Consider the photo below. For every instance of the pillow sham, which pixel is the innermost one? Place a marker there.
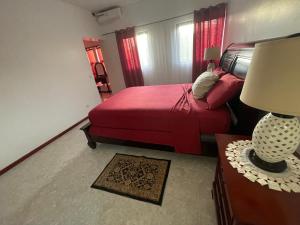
(203, 84)
(224, 90)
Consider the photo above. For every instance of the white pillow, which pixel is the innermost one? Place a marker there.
(203, 84)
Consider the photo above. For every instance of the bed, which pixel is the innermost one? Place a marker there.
(162, 114)
(169, 115)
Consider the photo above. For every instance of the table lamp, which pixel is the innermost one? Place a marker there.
(211, 54)
(273, 84)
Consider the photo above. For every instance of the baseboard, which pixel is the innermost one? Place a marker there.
(39, 148)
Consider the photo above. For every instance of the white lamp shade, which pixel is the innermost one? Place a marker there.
(273, 79)
(212, 53)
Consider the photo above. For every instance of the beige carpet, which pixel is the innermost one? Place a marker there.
(53, 187)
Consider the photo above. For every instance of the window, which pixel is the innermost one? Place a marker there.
(185, 33)
(166, 51)
(143, 49)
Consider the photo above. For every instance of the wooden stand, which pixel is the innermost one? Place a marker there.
(239, 201)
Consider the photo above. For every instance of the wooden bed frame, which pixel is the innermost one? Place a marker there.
(235, 60)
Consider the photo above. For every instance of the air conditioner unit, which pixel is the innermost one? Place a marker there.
(108, 15)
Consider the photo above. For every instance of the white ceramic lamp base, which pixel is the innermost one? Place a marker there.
(211, 66)
(274, 138)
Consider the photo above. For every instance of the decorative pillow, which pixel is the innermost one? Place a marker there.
(219, 72)
(225, 89)
(203, 84)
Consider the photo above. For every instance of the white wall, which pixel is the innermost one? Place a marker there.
(45, 79)
(141, 13)
(261, 19)
(149, 11)
(112, 62)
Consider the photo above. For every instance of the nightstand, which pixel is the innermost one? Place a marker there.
(239, 201)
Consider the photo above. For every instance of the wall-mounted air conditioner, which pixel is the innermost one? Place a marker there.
(108, 15)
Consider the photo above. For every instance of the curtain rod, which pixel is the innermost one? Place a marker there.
(158, 21)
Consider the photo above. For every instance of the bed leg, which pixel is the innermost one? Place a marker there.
(91, 143)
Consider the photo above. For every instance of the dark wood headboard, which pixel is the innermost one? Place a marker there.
(236, 60)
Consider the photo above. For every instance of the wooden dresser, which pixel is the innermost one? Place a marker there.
(239, 201)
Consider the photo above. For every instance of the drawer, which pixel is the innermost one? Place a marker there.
(223, 213)
(225, 194)
(216, 197)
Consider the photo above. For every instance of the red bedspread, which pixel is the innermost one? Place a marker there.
(163, 114)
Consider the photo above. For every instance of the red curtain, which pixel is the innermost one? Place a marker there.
(92, 59)
(129, 57)
(91, 55)
(100, 56)
(208, 32)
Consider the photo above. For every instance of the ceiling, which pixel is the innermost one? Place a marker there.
(96, 5)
